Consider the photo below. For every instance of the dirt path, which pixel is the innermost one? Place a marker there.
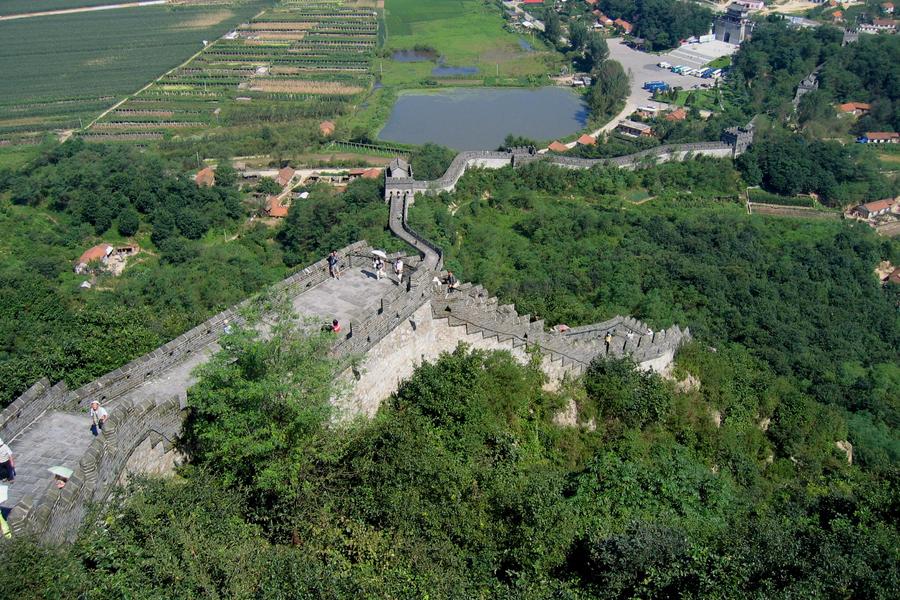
(68, 11)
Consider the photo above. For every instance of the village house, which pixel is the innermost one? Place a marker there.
(274, 207)
(879, 137)
(887, 8)
(373, 173)
(625, 26)
(285, 175)
(837, 16)
(679, 114)
(855, 108)
(635, 129)
(878, 26)
(558, 146)
(875, 209)
(587, 140)
(205, 177)
(105, 256)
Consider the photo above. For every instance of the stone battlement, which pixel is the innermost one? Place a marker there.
(393, 327)
(399, 181)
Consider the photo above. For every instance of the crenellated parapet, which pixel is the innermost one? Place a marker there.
(399, 181)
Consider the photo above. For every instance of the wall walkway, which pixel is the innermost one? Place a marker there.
(393, 327)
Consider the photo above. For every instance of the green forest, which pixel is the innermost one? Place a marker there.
(464, 486)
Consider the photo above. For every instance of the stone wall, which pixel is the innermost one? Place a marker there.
(29, 407)
(140, 435)
(436, 321)
(113, 385)
(729, 147)
(56, 516)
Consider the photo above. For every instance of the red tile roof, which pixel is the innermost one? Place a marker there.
(284, 176)
(625, 25)
(274, 207)
(558, 147)
(678, 114)
(205, 177)
(877, 206)
(532, 1)
(884, 22)
(98, 252)
(882, 135)
(587, 140)
(852, 106)
(373, 173)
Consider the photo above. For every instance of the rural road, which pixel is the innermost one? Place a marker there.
(67, 11)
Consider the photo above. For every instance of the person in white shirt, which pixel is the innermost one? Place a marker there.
(398, 269)
(98, 417)
(7, 464)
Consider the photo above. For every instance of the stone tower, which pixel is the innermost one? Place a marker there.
(735, 25)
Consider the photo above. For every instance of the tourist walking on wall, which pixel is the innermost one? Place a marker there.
(452, 281)
(7, 463)
(378, 265)
(608, 339)
(398, 269)
(335, 326)
(334, 265)
(98, 417)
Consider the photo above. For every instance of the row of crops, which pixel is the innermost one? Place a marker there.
(304, 59)
(61, 72)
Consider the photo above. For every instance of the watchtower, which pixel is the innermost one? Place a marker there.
(735, 25)
(739, 138)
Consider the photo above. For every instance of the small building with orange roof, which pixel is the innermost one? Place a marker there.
(679, 114)
(587, 140)
(624, 25)
(557, 146)
(274, 207)
(284, 176)
(205, 177)
(855, 108)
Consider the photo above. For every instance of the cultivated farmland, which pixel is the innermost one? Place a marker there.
(302, 62)
(63, 70)
(465, 33)
(15, 7)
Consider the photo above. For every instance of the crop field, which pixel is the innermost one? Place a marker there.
(62, 71)
(14, 7)
(466, 33)
(304, 60)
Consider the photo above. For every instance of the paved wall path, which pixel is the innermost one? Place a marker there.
(60, 438)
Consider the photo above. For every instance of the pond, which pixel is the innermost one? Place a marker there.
(480, 119)
(443, 70)
(408, 56)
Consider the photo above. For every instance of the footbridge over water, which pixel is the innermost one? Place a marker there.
(393, 327)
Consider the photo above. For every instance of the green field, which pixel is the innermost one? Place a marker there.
(110, 52)
(464, 32)
(14, 7)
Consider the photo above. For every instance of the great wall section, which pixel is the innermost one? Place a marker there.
(392, 327)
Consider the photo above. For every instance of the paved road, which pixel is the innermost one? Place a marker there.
(67, 11)
(641, 68)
